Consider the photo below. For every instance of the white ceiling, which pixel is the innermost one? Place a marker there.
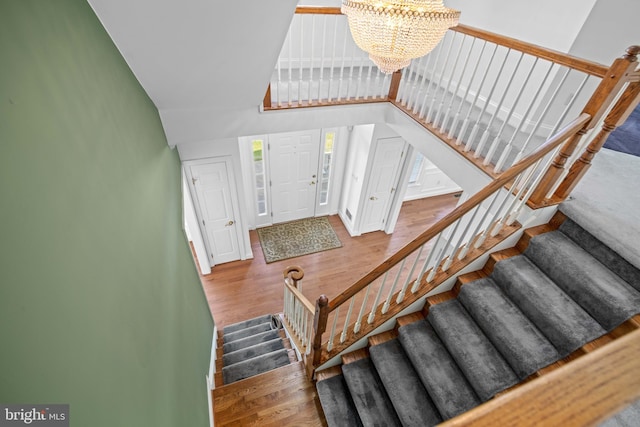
(193, 54)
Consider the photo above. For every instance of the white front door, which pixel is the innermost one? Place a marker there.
(213, 192)
(383, 181)
(293, 159)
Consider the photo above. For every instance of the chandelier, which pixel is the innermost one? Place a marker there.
(394, 32)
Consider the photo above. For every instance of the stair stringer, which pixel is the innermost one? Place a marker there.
(529, 218)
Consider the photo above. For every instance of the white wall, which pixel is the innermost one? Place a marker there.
(610, 28)
(549, 23)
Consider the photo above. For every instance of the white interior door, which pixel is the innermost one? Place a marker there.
(382, 182)
(217, 208)
(293, 159)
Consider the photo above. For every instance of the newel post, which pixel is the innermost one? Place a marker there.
(603, 96)
(319, 326)
(394, 85)
(293, 274)
(619, 113)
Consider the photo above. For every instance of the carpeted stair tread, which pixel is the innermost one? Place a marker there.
(254, 366)
(246, 332)
(252, 351)
(443, 380)
(337, 404)
(483, 366)
(603, 294)
(246, 324)
(369, 396)
(403, 386)
(565, 324)
(522, 345)
(607, 256)
(249, 341)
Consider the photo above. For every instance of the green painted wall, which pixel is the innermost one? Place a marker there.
(100, 303)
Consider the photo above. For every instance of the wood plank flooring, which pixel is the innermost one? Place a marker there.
(241, 290)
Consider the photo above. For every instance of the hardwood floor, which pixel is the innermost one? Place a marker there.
(241, 290)
(244, 289)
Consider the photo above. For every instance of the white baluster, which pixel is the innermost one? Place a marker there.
(387, 303)
(447, 90)
(507, 150)
(441, 252)
(408, 279)
(485, 135)
(344, 55)
(432, 79)
(313, 34)
(449, 255)
(496, 140)
(413, 93)
(465, 248)
(465, 123)
(289, 86)
(456, 117)
(333, 59)
(483, 236)
(430, 114)
(443, 127)
(366, 91)
(324, 42)
(426, 264)
(358, 324)
(372, 315)
(300, 61)
(333, 329)
(541, 118)
(343, 336)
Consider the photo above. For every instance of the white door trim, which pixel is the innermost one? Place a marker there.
(233, 189)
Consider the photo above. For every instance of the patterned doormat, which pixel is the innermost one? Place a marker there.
(296, 238)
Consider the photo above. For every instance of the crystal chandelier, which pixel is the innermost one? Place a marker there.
(394, 32)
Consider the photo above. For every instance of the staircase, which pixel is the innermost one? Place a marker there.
(250, 348)
(557, 295)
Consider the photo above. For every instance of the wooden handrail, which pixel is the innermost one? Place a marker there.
(311, 10)
(589, 67)
(293, 273)
(583, 392)
(308, 305)
(502, 179)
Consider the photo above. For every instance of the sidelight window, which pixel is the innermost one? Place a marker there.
(325, 174)
(257, 146)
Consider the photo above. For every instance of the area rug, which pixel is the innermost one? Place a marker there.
(296, 238)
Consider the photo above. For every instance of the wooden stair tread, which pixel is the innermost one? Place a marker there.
(440, 298)
(351, 357)
(382, 337)
(328, 372)
(283, 396)
(409, 318)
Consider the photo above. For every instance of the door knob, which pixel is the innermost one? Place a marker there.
(230, 223)
(373, 198)
(312, 183)
(313, 176)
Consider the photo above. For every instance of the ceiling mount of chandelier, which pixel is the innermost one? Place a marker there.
(397, 31)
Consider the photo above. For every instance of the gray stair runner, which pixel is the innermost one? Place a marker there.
(566, 290)
(250, 348)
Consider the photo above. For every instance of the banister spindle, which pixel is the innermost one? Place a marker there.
(332, 334)
(409, 276)
(445, 92)
(507, 149)
(496, 140)
(487, 131)
(465, 122)
(456, 117)
(343, 336)
(443, 126)
(432, 79)
(372, 314)
(333, 59)
(430, 114)
(387, 303)
(358, 324)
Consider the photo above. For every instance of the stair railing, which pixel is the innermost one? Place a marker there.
(492, 98)
(469, 231)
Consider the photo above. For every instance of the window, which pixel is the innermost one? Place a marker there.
(325, 176)
(417, 168)
(257, 146)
